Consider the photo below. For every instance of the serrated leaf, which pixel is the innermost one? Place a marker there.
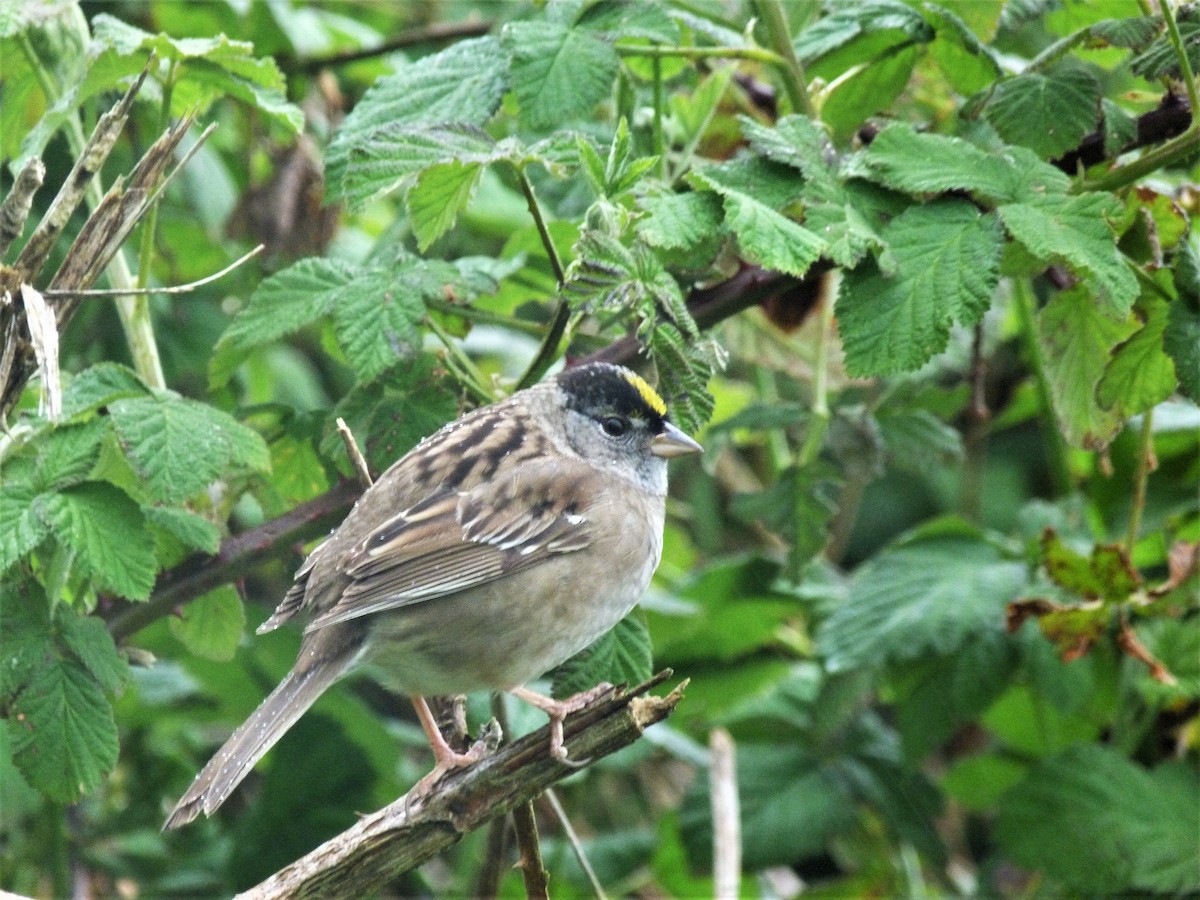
(608, 276)
(376, 317)
(1160, 57)
(929, 595)
(620, 20)
(63, 735)
(24, 634)
(968, 63)
(22, 524)
(1131, 33)
(281, 305)
(1050, 112)
(685, 367)
(99, 385)
(386, 158)
(873, 89)
(947, 258)
(1075, 230)
(798, 506)
(211, 625)
(1140, 374)
(761, 180)
(1181, 341)
(679, 221)
(916, 437)
(192, 530)
(441, 192)
(1095, 822)
(903, 159)
(1077, 337)
(769, 238)
(620, 656)
(558, 73)
(179, 446)
(107, 532)
(67, 454)
(795, 141)
(86, 639)
(206, 69)
(461, 84)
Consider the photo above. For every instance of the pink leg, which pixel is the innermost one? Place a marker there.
(558, 710)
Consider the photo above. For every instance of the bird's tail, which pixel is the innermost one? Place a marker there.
(258, 734)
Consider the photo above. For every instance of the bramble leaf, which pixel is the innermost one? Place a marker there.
(211, 625)
(620, 656)
(558, 73)
(107, 532)
(1048, 112)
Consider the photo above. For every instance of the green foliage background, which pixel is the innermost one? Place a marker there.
(936, 571)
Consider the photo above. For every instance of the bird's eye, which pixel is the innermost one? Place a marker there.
(614, 426)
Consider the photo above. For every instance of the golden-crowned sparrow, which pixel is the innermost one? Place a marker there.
(493, 551)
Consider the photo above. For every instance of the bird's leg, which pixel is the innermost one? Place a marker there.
(446, 758)
(558, 710)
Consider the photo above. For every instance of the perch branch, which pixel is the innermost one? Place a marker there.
(367, 857)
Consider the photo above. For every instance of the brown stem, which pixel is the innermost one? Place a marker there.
(399, 837)
(439, 33)
(529, 858)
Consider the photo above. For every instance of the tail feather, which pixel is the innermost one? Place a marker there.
(258, 734)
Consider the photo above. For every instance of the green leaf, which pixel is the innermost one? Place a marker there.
(685, 367)
(1075, 230)
(107, 532)
(853, 100)
(86, 639)
(938, 696)
(947, 258)
(914, 438)
(461, 84)
(281, 305)
(22, 524)
(967, 62)
(770, 239)
(179, 446)
(798, 506)
(99, 385)
(1050, 113)
(1077, 337)
(558, 73)
(25, 640)
(1181, 341)
(1140, 374)
(679, 221)
(608, 276)
(760, 180)
(903, 159)
(383, 160)
(1095, 822)
(928, 595)
(1160, 58)
(63, 735)
(441, 192)
(67, 454)
(211, 625)
(192, 530)
(377, 315)
(620, 656)
(206, 69)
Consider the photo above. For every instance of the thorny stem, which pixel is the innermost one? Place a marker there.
(754, 54)
(1142, 472)
(795, 82)
(1181, 56)
(1175, 149)
(1056, 447)
(134, 311)
(533, 870)
(548, 351)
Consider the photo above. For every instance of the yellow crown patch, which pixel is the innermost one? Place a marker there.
(647, 393)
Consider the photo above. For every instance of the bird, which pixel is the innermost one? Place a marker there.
(493, 551)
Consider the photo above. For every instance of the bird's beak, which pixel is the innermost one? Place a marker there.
(672, 442)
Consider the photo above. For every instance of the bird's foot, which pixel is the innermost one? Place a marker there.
(558, 710)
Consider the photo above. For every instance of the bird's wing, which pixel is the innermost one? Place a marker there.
(456, 540)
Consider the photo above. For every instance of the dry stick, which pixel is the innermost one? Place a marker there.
(16, 206)
(576, 844)
(529, 858)
(406, 833)
(726, 815)
(356, 457)
(173, 289)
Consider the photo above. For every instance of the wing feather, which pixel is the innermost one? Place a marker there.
(456, 540)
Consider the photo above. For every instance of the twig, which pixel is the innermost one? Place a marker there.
(726, 815)
(431, 34)
(576, 844)
(488, 883)
(173, 289)
(356, 457)
(401, 836)
(16, 206)
(529, 858)
(1144, 465)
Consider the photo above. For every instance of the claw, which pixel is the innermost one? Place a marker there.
(558, 710)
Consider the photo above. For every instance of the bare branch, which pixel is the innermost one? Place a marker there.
(367, 857)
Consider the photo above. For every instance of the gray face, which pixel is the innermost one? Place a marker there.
(619, 444)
